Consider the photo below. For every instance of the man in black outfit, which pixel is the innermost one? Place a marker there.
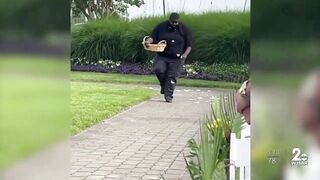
(167, 63)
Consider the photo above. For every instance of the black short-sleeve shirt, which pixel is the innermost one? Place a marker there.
(178, 38)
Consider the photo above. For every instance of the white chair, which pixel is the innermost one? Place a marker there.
(240, 154)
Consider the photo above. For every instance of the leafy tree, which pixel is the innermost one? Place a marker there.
(96, 9)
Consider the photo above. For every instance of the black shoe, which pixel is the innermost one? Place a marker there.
(162, 90)
(168, 99)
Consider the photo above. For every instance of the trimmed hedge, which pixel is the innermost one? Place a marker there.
(219, 38)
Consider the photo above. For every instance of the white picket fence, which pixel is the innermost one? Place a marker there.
(240, 154)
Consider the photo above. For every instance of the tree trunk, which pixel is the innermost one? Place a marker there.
(83, 9)
(85, 14)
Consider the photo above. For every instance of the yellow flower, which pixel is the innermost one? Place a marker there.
(215, 124)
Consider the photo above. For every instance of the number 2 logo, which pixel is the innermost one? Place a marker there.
(298, 156)
(296, 152)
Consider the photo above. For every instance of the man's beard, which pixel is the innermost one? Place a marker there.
(173, 27)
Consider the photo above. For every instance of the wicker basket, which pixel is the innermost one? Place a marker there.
(154, 47)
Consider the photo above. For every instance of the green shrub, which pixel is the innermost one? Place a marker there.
(219, 38)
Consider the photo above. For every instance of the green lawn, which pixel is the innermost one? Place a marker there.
(35, 101)
(146, 79)
(34, 105)
(92, 102)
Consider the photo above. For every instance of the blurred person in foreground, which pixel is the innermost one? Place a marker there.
(308, 106)
(168, 63)
(243, 100)
(308, 112)
(243, 107)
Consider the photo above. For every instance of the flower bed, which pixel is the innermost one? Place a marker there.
(215, 72)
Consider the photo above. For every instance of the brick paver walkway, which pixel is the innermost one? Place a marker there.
(144, 142)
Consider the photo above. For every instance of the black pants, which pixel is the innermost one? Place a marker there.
(167, 71)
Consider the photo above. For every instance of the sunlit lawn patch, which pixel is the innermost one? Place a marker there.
(93, 102)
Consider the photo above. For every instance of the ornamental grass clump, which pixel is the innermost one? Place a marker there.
(220, 37)
(208, 157)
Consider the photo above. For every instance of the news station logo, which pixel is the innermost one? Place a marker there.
(299, 159)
